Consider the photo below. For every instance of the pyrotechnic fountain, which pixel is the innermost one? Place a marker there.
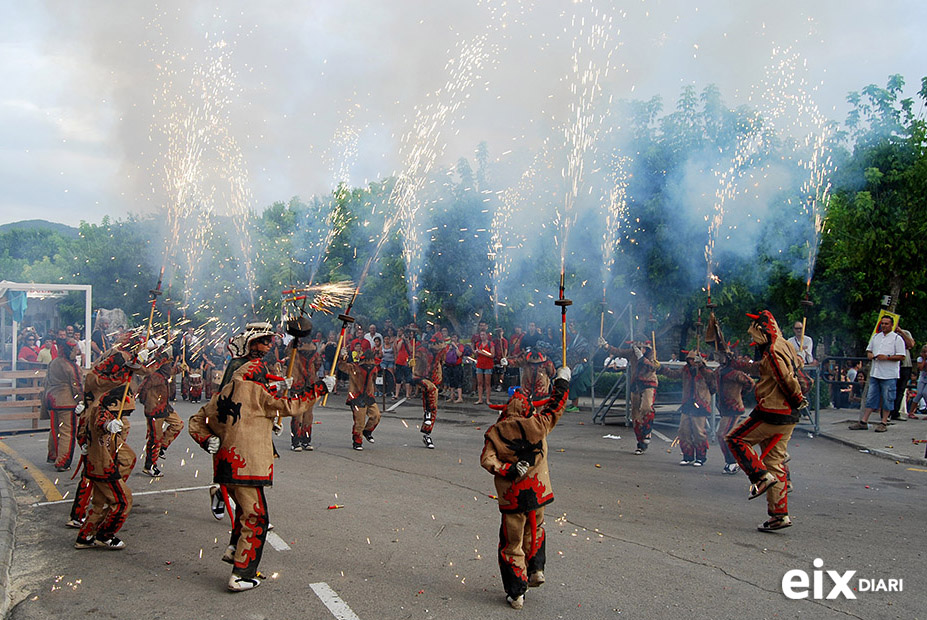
(616, 209)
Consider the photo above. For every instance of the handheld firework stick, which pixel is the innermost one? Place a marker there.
(806, 303)
(155, 293)
(563, 303)
(653, 334)
(604, 306)
(299, 327)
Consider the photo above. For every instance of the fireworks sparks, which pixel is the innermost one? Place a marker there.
(324, 298)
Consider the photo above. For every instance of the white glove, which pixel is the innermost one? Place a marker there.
(278, 427)
(329, 382)
(143, 356)
(504, 362)
(603, 343)
(212, 444)
(564, 373)
(637, 352)
(79, 408)
(153, 343)
(114, 426)
(282, 386)
(522, 468)
(84, 448)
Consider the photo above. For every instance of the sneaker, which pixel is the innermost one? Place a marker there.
(776, 523)
(368, 435)
(240, 584)
(83, 543)
(764, 484)
(62, 468)
(880, 428)
(216, 504)
(161, 452)
(229, 555)
(536, 579)
(517, 602)
(571, 409)
(74, 523)
(859, 426)
(296, 448)
(731, 468)
(152, 471)
(308, 447)
(685, 462)
(109, 543)
(358, 446)
(698, 462)
(426, 439)
(638, 451)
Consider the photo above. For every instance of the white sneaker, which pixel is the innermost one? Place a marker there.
(229, 555)
(109, 543)
(516, 603)
(536, 579)
(240, 584)
(75, 523)
(426, 439)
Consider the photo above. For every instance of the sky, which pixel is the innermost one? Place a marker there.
(302, 95)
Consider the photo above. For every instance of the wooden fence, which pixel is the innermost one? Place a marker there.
(21, 399)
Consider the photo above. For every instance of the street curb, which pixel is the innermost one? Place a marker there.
(7, 538)
(885, 454)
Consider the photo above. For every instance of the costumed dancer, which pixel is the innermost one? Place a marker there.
(63, 402)
(164, 425)
(305, 372)
(770, 424)
(642, 369)
(698, 384)
(732, 383)
(103, 430)
(515, 453)
(536, 369)
(361, 396)
(235, 427)
(428, 374)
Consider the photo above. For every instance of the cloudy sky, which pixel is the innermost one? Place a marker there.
(308, 93)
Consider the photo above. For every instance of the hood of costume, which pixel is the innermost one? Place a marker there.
(778, 391)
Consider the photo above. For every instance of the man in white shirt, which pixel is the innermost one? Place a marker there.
(805, 348)
(886, 350)
(371, 335)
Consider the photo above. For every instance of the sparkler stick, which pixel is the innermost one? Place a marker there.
(806, 303)
(602, 318)
(346, 319)
(563, 303)
(155, 293)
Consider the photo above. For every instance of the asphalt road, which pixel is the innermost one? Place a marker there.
(628, 536)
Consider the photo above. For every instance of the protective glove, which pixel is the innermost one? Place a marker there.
(84, 448)
(282, 386)
(522, 468)
(603, 343)
(79, 408)
(212, 444)
(803, 404)
(143, 356)
(637, 352)
(114, 426)
(504, 362)
(564, 373)
(329, 382)
(154, 343)
(278, 426)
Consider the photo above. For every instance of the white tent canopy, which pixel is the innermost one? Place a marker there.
(51, 289)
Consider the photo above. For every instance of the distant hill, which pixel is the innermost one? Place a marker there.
(62, 229)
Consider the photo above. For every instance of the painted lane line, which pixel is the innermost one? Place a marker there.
(276, 542)
(47, 486)
(134, 494)
(916, 469)
(339, 608)
(661, 435)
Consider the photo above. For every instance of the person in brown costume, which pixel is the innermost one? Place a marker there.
(305, 372)
(537, 370)
(428, 374)
(164, 425)
(63, 402)
(642, 371)
(362, 396)
(732, 384)
(698, 384)
(515, 453)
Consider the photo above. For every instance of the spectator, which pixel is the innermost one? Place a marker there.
(403, 352)
(485, 353)
(453, 364)
(47, 352)
(904, 372)
(804, 349)
(856, 390)
(530, 339)
(577, 355)
(29, 352)
(372, 334)
(920, 397)
(99, 340)
(886, 350)
(500, 352)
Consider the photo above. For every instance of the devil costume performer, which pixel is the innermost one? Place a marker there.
(698, 384)
(362, 396)
(428, 374)
(103, 431)
(63, 394)
(770, 424)
(235, 426)
(731, 385)
(515, 452)
(164, 425)
(305, 372)
(642, 370)
(537, 370)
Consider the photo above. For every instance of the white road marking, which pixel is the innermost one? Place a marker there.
(134, 494)
(276, 542)
(661, 436)
(339, 608)
(396, 404)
